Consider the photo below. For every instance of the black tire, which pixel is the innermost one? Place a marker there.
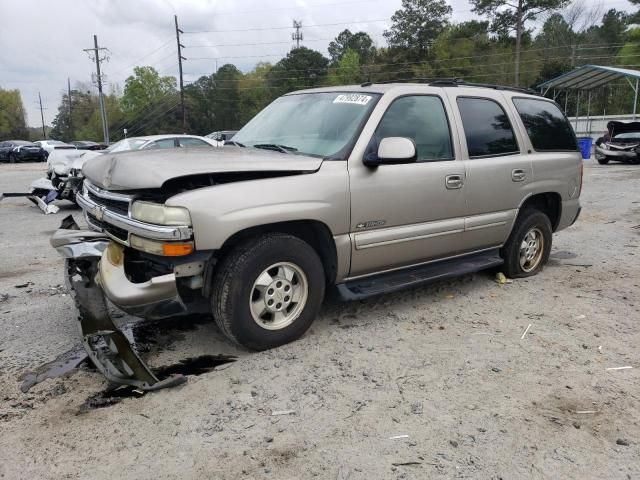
(603, 161)
(529, 220)
(233, 287)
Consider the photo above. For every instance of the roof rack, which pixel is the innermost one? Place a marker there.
(455, 82)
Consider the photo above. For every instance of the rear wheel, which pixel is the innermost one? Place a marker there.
(267, 291)
(528, 247)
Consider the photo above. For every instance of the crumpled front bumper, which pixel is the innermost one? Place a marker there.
(107, 347)
(607, 152)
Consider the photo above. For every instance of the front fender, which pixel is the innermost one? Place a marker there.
(220, 211)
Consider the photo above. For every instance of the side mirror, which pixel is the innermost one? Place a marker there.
(395, 151)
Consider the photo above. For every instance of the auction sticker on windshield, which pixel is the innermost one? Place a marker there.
(352, 98)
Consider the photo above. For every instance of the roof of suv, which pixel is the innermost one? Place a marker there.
(369, 87)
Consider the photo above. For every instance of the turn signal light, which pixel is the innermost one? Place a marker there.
(176, 249)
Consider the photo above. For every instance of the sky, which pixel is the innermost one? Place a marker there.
(42, 41)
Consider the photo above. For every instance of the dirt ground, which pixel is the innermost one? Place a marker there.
(435, 382)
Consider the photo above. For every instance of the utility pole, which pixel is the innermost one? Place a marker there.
(103, 113)
(297, 35)
(44, 132)
(70, 110)
(519, 28)
(180, 58)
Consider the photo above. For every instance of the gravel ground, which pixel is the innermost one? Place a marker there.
(434, 382)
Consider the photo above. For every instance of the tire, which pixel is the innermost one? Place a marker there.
(531, 226)
(241, 290)
(603, 161)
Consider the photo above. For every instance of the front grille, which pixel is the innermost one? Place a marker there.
(118, 206)
(112, 230)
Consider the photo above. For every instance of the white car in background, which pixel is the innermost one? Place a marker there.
(51, 145)
(160, 141)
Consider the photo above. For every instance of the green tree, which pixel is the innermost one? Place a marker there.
(346, 71)
(254, 92)
(13, 123)
(417, 24)
(456, 50)
(360, 42)
(507, 17)
(150, 103)
(301, 68)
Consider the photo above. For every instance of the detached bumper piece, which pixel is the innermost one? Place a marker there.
(106, 345)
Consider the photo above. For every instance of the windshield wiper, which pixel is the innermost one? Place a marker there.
(233, 142)
(276, 147)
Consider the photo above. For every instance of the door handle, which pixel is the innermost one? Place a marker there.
(518, 175)
(453, 182)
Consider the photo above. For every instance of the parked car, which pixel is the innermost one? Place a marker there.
(222, 136)
(88, 145)
(367, 188)
(51, 145)
(20, 151)
(160, 142)
(621, 143)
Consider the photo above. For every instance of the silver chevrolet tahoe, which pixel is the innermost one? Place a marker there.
(368, 188)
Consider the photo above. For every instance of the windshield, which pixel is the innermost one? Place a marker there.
(627, 136)
(126, 145)
(316, 124)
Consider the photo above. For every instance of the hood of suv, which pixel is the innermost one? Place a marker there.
(152, 168)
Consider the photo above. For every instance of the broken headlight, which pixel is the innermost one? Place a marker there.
(160, 214)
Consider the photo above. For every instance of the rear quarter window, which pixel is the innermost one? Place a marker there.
(546, 125)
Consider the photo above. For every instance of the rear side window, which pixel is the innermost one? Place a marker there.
(423, 119)
(192, 142)
(487, 128)
(547, 127)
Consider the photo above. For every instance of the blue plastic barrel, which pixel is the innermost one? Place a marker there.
(584, 143)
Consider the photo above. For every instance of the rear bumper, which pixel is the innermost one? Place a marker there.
(570, 211)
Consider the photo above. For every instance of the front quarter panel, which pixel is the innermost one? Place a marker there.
(220, 211)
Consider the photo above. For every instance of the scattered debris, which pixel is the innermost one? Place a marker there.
(618, 368)
(282, 412)
(396, 437)
(581, 317)
(417, 408)
(525, 332)
(586, 412)
(623, 442)
(24, 285)
(62, 365)
(501, 279)
(4, 297)
(453, 443)
(404, 464)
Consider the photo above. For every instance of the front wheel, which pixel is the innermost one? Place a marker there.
(603, 161)
(267, 291)
(529, 245)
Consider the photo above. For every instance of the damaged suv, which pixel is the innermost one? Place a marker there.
(369, 188)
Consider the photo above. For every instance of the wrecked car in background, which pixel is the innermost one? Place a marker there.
(363, 188)
(621, 143)
(64, 167)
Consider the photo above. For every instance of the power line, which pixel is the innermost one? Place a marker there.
(260, 29)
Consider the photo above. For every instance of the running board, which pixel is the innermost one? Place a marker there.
(409, 277)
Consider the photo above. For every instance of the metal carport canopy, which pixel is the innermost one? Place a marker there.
(589, 77)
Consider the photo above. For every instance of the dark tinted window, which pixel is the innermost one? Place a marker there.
(423, 119)
(486, 127)
(547, 127)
